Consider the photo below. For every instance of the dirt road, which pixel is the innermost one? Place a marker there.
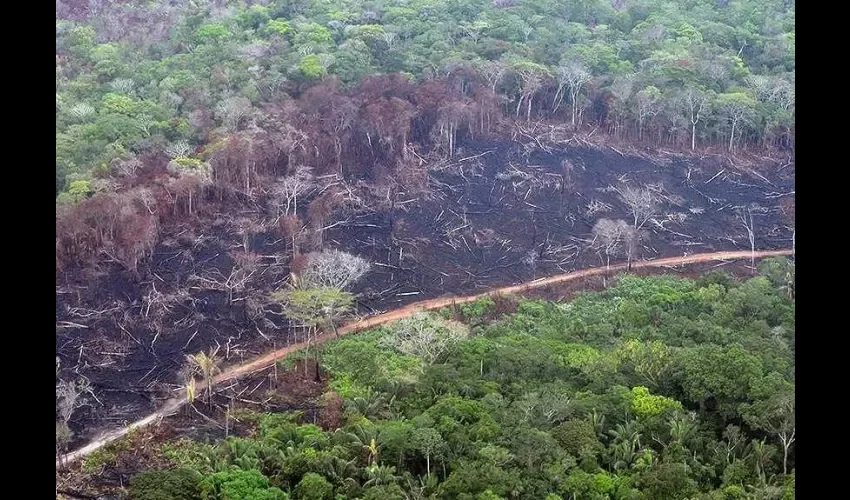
(267, 360)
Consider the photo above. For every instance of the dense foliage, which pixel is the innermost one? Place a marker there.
(655, 388)
(178, 78)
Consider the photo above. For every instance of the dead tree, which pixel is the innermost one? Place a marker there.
(531, 258)
(631, 239)
(568, 183)
(63, 437)
(286, 191)
(787, 207)
(693, 101)
(188, 177)
(493, 72)
(745, 215)
(71, 396)
(245, 266)
(573, 76)
(607, 236)
(642, 202)
(647, 106)
(246, 228)
(450, 117)
(531, 77)
(292, 228)
(333, 269)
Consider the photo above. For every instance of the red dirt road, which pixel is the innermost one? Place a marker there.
(267, 360)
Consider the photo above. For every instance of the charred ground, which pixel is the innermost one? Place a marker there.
(497, 213)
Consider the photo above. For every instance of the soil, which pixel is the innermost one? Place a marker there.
(499, 214)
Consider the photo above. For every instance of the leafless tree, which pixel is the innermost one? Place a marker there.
(693, 101)
(531, 258)
(787, 207)
(451, 116)
(156, 306)
(622, 89)
(425, 336)
(738, 110)
(332, 269)
(607, 236)
(244, 268)
(126, 167)
(631, 239)
(233, 110)
(179, 149)
(745, 215)
(567, 175)
(72, 395)
(647, 105)
(493, 71)
(246, 228)
(777, 416)
(63, 436)
(123, 86)
(573, 75)
(292, 228)
(772, 89)
(642, 202)
(531, 79)
(783, 94)
(761, 85)
(190, 176)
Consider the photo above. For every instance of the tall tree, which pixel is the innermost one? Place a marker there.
(776, 415)
(737, 107)
(531, 77)
(429, 442)
(286, 191)
(573, 75)
(607, 236)
(694, 103)
(745, 215)
(643, 203)
(647, 105)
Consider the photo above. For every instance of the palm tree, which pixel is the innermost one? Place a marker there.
(365, 440)
(379, 475)
(623, 455)
(628, 433)
(626, 443)
(206, 365)
(191, 388)
(341, 472)
(372, 405)
(681, 428)
(598, 422)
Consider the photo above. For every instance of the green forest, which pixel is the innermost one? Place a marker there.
(332, 84)
(655, 388)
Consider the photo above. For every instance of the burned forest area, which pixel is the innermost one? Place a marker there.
(494, 213)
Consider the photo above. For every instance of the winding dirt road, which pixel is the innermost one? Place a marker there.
(267, 360)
